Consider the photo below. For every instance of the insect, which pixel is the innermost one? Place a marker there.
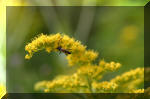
(61, 49)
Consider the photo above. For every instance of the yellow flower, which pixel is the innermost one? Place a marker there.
(137, 73)
(97, 71)
(129, 33)
(79, 55)
(2, 91)
(129, 80)
(87, 77)
(71, 83)
(93, 72)
(137, 91)
(112, 66)
(79, 81)
(104, 87)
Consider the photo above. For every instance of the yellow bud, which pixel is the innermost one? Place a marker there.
(27, 56)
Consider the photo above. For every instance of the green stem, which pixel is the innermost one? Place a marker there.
(89, 84)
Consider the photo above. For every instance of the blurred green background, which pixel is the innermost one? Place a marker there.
(117, 33)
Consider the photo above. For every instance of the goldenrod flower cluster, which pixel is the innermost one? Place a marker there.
(79, 82)
(2, 91)
(79, 55)
(131, 75)
(87, 77)
(137, 91)
(112, 66)
(130, 79)
(71, 83)
(96, 71)
(104, 87)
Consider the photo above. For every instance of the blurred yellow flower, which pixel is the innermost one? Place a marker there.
(129, 34)
(112, 66)
(147, 92)
(147, 73)
(2, 91)
(137, 91)
(66, 83)
(137, 73)
(129, 80)
(104, 87)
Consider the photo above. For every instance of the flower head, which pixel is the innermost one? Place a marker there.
(112, 66)
(137, 91)
(79, 55)
(129, 80)
(137, 73)
(104, 87)
(71, 83)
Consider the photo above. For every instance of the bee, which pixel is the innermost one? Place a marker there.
(61, 49)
